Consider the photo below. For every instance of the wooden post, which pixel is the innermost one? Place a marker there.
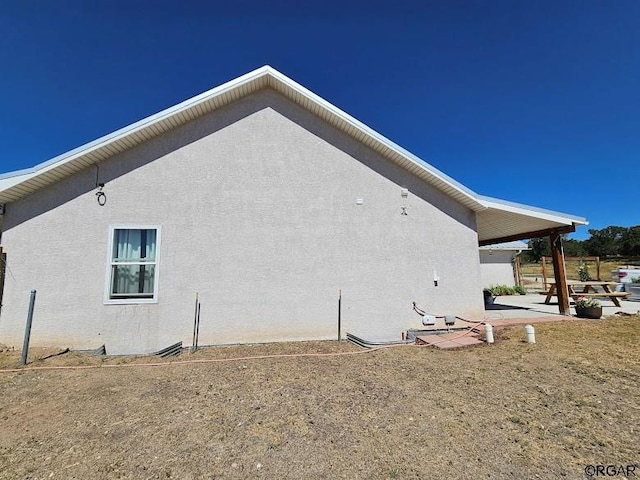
(560, 273)
(598, 269)
(544, 275)
(518, 268)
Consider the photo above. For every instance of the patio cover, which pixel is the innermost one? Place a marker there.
(504, 221)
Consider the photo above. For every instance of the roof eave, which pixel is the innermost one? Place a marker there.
(527, 210)
(442, 181)
(93, 152)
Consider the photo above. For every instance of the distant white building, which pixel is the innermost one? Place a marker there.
(498, 263)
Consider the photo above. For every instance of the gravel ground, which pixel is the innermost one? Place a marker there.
(508, 410)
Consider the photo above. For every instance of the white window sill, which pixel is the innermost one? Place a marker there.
(130, 301)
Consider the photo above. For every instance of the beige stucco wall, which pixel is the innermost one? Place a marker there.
(257, 204)
(496, 267)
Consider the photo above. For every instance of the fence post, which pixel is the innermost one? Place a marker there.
(339, 314)
(27, 332)
(3, 269)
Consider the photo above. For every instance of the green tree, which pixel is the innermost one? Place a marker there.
(606, 242)
(631, 242)
(538, 248)
(573, 248)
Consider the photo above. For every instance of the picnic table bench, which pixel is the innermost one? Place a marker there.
(589, 289)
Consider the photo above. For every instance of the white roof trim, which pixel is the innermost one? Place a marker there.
(8, 180)
(134, 127)
(18, 184)
(556, 217)
(252, 81)
(373, 134)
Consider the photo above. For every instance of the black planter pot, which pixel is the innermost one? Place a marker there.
(589, 312)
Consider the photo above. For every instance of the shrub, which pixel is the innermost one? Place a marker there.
(497, 290)
(584, 302)
(583, 272)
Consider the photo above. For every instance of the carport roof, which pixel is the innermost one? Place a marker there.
(497, 220)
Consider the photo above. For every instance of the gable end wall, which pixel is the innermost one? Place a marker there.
(257, 204)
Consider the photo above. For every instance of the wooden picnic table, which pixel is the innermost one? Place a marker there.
(588, 289)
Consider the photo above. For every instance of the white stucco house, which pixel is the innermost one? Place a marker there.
(498, 263)
(266, 201)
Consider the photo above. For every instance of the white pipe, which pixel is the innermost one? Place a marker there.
(531, 333)
(488, 329)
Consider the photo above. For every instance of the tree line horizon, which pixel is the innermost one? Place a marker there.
(612, 241)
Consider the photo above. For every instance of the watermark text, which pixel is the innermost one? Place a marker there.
(628, 471)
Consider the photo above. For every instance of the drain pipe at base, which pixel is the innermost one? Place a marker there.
(531, 333)
(488, 329)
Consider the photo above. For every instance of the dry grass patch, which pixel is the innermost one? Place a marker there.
(507, 410)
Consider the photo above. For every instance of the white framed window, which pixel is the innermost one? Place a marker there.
(132, 264)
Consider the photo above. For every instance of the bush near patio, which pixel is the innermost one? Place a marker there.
(498, 290)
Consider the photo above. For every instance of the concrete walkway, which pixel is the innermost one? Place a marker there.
(523, 309)
(531, 306)
(513, 310)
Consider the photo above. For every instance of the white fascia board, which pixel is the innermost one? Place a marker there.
(292, 86)
(471, 195)
(11, 179)
(530, 211)
(134, 127)
(16, 173)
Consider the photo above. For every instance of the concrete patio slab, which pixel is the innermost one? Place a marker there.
(532, 306)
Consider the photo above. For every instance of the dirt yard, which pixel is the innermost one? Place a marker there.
(509, 410)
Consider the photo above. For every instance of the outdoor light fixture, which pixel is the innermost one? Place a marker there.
(101, 196)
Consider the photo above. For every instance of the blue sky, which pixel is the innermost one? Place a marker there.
(533, 102)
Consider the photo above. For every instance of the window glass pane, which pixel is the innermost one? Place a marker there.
(134, 245)
(132, 280)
